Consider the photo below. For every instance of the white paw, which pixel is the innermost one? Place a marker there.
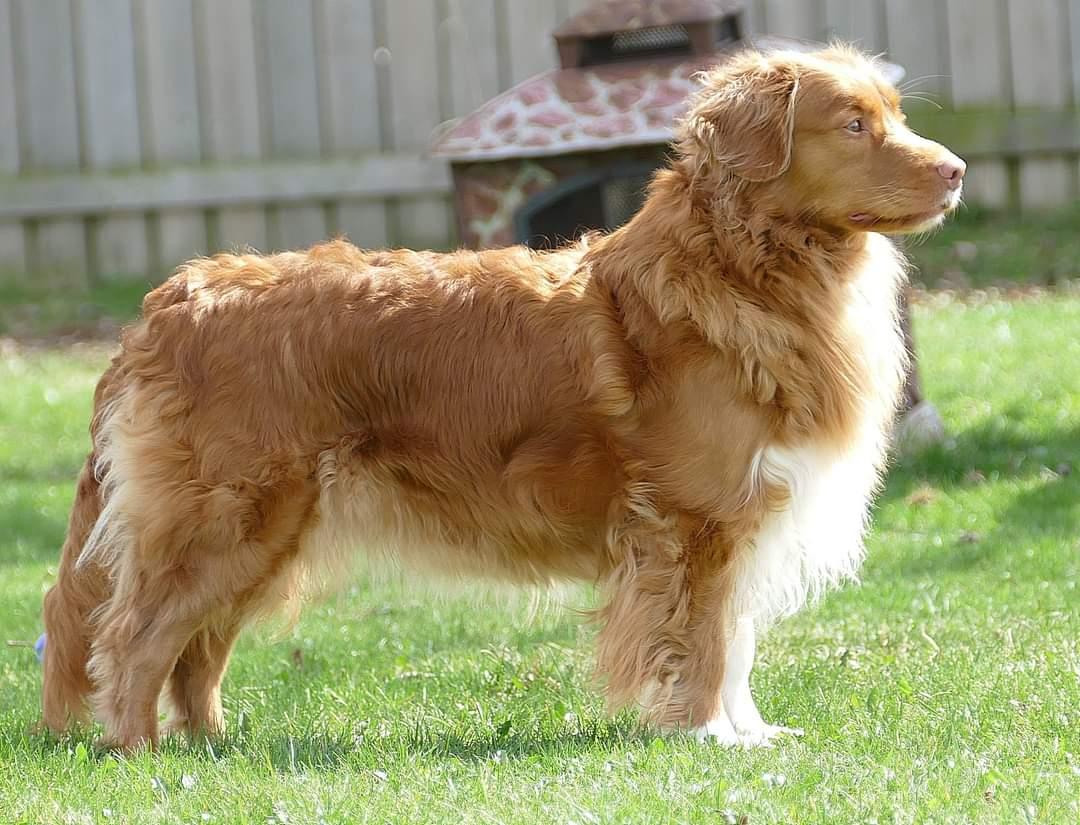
(718, 731)
(761, 735)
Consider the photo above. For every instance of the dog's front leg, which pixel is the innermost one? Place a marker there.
(738, 702)
(663, 641)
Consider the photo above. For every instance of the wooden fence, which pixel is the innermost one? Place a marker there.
(137, 133)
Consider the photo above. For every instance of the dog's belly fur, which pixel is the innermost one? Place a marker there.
(517, 530)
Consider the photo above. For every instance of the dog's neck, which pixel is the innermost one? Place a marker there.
(770, 292)
(692, 247)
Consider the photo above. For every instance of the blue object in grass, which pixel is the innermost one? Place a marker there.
(39, 648)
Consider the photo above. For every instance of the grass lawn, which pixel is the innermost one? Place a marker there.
(944, 689)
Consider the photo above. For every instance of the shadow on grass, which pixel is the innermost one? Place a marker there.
(997, 449)
(327, 751)
(41, 535)
(997, 446)
(593, 735)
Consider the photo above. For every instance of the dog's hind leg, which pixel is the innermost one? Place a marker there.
(68, 610)
(142, 632)
(215, 552)
(663, 640)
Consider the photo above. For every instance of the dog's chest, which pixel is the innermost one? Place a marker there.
(723, 414)
(815, 538)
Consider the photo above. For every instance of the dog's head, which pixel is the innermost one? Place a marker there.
(824, 134)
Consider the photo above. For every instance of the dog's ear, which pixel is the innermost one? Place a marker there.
(744, 117)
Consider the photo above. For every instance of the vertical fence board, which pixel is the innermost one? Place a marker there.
(471, 35)
(917, 42)
(350, 101)
(1039, 78)
(171, 117)
(110, 125)
(1073, 10)
(529, 26)
(229, 106)
(12, 244)
(754, 22)
(573, 6)
(292, 79)
(856, 21)
(49, 123)
(794, 18)
(978, 79)
(9, 134)
(414, 101)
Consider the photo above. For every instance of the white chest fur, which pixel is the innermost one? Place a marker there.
(817, 539)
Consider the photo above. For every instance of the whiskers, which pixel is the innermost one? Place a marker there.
(907, 90)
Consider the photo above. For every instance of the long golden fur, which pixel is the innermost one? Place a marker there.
(632, 410)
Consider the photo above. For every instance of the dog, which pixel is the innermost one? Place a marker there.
(692, 412)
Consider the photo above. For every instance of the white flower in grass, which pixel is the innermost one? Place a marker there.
(774, 780)
(188, 782)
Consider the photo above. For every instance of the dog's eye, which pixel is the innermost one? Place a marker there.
(855, 126)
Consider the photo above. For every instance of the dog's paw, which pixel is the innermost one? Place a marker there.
(718, 731)
(175, 728)
(128, 746)
(763, 735)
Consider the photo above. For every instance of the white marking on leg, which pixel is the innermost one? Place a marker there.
(738, 701)
(718, 731)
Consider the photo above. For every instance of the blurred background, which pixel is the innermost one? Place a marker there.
(137, 133)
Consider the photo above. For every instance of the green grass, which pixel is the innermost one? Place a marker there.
(944, 689)
(27, 311)
(981, 249)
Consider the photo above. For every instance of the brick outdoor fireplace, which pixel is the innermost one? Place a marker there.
(572, 149)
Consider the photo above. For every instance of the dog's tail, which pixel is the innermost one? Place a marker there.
(82, 586)
(69, 609)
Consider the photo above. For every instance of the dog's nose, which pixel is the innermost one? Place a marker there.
(952, 170)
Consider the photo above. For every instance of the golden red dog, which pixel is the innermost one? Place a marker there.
(691, 412)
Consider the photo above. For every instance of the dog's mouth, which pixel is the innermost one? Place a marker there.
(912, 222)
(884, 223)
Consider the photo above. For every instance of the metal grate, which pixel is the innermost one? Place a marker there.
(654, 39)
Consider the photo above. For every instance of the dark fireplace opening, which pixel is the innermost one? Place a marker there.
(601, 199)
